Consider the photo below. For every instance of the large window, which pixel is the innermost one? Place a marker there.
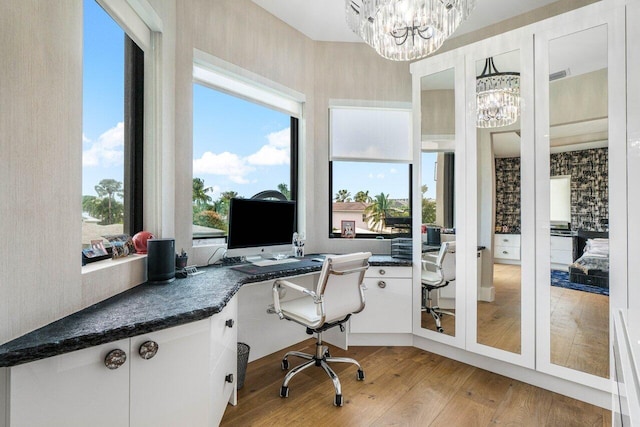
(112, 134)
(370, 173)
(240, 149)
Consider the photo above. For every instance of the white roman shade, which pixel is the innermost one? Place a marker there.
(220, 75)
(370, 134)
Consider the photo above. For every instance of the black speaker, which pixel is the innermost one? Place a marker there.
(433, 236)
(161, 261)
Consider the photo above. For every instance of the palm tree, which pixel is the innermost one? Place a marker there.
(343, 196)
(200, 196)
(284, 189)
(109, 188)
(363, 196)
(228, 195)
(376, 211)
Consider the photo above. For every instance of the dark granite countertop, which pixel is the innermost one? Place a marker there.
(147, 308)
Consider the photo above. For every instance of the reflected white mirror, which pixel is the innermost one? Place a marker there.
(579, 207)
(438, 305)
(499, 215)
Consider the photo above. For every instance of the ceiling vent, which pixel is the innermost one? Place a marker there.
(559, 75)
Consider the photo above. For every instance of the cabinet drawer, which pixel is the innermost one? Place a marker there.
(224, 324)
(379, 272)
(507, 252)
(561, 243)
(222, 385)
(387, 307)
(561, 257)
(224, 336)
(72, 389)
(512, 240)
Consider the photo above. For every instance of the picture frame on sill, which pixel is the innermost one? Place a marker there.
(348, 229)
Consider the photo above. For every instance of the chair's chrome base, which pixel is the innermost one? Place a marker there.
(322, 358)
(435, 311)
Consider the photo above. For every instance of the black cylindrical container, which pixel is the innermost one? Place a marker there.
(161, 261)
(433, 236)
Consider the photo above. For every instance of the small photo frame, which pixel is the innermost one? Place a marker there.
(97, 248)
(348, 229)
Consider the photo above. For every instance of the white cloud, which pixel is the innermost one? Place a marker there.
(378, 176)
(281, 138)
(228, 164)
(269, 155)
(236, 168)
(393, 170)
(275, 153)
(108, 150)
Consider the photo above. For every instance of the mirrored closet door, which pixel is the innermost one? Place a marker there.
(577, 208)
(439, 285)
(500, 95)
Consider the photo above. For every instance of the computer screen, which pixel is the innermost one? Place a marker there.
(260, 227)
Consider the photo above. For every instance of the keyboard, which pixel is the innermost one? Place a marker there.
(268, 262)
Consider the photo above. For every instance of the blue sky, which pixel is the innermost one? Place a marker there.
(237, 145)
(103, 98)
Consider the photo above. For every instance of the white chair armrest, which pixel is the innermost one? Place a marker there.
(276, 295)
(426, 262)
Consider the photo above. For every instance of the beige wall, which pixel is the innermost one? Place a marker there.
(40, 170)
(438, 112)
(242, 34)
(41, 134)
(345, 71)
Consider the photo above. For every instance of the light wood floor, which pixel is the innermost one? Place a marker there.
(403, 386)
(579, 323)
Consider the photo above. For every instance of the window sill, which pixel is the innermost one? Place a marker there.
(108, 263)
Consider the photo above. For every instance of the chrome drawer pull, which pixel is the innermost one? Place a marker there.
(382, 272)
(382, 284)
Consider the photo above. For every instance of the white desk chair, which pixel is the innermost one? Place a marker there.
(338, 295)
(436, 275)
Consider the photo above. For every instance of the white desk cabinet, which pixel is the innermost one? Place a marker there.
(387, 302)
(187, 382)
(561, 252)
(506, 248)
(73, 389)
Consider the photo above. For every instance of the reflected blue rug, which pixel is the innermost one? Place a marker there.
(561, 279)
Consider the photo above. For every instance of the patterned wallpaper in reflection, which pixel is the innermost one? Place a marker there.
(508, 194)
(589, 189)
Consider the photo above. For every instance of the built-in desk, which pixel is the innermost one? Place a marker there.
(57, 375)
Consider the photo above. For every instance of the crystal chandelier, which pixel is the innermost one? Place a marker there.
(403, 30)
(497, 97)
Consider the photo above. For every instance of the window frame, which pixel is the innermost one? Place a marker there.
(216, 74)
(142, 28)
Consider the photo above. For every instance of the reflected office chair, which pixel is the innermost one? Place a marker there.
(338, 295)
(436, 275)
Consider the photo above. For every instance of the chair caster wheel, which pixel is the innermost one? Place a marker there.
(338, 400)
(360, 375)
(441, 330)
(284, 391)
(284, 364)
(327, 354)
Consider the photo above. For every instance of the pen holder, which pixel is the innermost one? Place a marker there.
(298, 251)
(181, 262)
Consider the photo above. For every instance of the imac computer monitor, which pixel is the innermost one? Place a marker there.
(260, 228)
